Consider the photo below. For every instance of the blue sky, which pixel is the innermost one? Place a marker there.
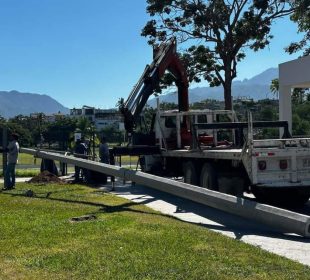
(90, 52)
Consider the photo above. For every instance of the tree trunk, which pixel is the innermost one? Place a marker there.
(228, 82)
(227, 93)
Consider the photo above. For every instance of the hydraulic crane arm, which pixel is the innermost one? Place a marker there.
(164, 58)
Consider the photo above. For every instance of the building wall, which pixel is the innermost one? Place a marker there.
(292, 74)
(101, 118)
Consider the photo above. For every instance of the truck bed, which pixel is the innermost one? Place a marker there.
(228, 154)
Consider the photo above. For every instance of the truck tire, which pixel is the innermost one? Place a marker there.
(190, 173)
(208, 177)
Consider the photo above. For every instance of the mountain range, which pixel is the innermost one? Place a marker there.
(13, 103)
(257, 87)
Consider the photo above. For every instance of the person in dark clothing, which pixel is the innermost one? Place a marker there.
(104, 151)
(80, 151)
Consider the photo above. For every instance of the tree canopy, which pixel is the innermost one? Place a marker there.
(215, 33)
(302, 17)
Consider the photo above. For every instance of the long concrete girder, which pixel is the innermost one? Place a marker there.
(280, 219)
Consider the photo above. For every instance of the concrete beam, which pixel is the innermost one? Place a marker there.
(295, 73)
(281, 219)
(111, 170)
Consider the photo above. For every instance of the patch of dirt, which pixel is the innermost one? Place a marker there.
(46, 177)
(83, 218)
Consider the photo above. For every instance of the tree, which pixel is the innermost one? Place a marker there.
(299, 95)
(274, 87)
(25, 138)
(303, 110)
(120, 103)
(302, 17)
(34, 124)
(300, 127)
(112, 134)
(85, 125)
(60, 131)
(218, 32)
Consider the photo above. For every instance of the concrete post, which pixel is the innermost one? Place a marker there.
(285, 106)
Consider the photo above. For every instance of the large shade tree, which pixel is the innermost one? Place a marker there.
(215, 33)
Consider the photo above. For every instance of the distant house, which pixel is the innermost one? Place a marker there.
(49, 118)
(101, 118)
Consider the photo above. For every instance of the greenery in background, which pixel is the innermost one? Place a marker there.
(30, 166)
(300, 108)
(60, 134)
(125, 241)
(262, 110)
(24, 172)
(112, 134)
(302, 17)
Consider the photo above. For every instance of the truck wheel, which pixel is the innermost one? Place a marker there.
(190, 173)
(208, 177)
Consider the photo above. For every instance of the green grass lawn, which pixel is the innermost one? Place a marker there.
(25, 159)
(126, 241)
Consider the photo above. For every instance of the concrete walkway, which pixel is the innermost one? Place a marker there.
(18, 180)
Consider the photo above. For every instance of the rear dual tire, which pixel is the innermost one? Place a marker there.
(190, 173)
(207, 178)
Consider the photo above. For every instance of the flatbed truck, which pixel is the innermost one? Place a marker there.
(213, 149)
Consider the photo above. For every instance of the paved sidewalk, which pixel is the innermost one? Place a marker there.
(18, 179)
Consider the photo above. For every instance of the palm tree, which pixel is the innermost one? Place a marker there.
(274, 87)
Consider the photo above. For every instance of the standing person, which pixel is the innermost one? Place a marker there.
(13, 150)
(80, 151)
(104, 153)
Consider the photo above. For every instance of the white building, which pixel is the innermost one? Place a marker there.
(101, 118)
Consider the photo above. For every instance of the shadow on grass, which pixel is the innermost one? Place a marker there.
(103, 208)
(217, 220)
